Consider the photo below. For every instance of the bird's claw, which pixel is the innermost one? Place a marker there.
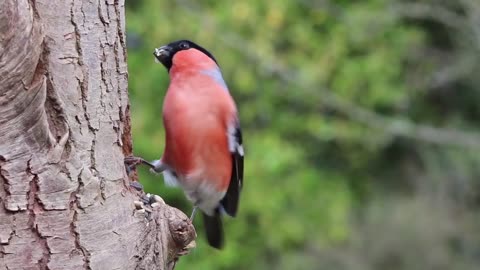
(137, 186)
(131, 162)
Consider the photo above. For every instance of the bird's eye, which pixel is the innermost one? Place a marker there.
(184, 45)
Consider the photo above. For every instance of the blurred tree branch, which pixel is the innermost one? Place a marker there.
(464, 23)
(394, 126)
(422, 10)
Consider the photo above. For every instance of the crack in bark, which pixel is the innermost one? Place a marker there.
(76, 235)
(124, 138)
(6, 184)
(14, 227)
(74, 207)
(100, 15)
(120, 33)
(124, 115)
(35, 11)
(35, 207)
(83, 83)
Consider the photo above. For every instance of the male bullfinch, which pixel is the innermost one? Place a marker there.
(203, 144)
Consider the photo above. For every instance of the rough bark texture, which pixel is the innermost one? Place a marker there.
(65, 201)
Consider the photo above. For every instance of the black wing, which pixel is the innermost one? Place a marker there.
(230, 201)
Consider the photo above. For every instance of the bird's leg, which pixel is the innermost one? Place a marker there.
(194, 211)
(131, 162)
(157, 166)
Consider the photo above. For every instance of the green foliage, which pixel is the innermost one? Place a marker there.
(299, 71)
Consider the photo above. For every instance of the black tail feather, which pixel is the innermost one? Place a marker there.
(214, 229)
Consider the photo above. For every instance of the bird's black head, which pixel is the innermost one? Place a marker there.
(165, 53)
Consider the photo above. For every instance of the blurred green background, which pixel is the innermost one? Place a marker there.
(361, 128)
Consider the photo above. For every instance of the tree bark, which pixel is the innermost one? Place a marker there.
(65, 198)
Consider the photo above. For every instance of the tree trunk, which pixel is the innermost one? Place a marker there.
(65, 198)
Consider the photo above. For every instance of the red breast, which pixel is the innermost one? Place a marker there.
(196, 111)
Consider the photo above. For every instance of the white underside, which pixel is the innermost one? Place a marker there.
(205, 195)
(170, 179)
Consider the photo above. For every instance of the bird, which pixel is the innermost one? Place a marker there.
(204, 151)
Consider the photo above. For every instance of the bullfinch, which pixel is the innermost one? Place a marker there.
(203, 144)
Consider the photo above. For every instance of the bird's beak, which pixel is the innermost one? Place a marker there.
(162, 53)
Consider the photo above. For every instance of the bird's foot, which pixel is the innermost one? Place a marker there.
(131, 162)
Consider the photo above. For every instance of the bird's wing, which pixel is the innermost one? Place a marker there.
(235, 143)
